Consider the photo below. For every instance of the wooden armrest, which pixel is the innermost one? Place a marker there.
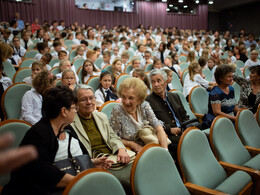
(199, 116)
(252, 172)
(253, 151)
(193, 188)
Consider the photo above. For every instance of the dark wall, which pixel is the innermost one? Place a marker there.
(246, 16)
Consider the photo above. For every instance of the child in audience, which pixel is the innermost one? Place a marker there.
(18, 49)
(174, 67)
(169, 79)
(210, 65)
(191, 57)
(62, 55)
(31, 110)
(115, 53)
(157, 63)
(135, 64)
(231, 56)
(57, 47)
(37, 67)
(116, 69)
(140, 74)
(92, 56)
(106, 59)
(26, 40)
(105, 91)
(69, 78)
(64, 65)
(43, 49)
(45, 59)
(147, 59)
(125, 58)
(88, 70)
(80, 51)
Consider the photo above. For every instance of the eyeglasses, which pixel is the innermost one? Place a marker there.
(69, 78)
(85, 100)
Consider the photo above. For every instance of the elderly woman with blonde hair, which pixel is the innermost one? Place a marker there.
(127, 118)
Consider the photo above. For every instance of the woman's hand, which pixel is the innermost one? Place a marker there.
(122, 156)
(136, 147)
(102, 163)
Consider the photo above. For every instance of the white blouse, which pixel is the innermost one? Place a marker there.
(189, 84)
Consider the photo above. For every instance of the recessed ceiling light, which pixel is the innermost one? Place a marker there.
(164, 0)
(197, 1)
(180, 1)
(171, 5)
(167, 9)
(185, 6)
(210, 2)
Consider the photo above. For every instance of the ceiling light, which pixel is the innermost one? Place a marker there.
(185, 6)
(191, 11)
(210, 2)
(197, 1)
(164, 0)
(171, 5)
(167, 9)
(180, 1)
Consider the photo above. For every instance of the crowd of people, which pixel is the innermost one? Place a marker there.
(145, 98)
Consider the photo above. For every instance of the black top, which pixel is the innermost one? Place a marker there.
(39, 176)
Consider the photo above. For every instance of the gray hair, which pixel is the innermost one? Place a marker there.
(156, 71)
(82, 86)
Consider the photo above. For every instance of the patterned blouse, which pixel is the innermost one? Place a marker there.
(124, 126)
(245, 91)
(227, 101)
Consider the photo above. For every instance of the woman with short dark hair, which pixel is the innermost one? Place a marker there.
(222, 96)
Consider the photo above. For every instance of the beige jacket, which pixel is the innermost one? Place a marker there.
(109, 136)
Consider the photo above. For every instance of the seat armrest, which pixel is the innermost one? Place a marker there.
(193, 188)
(199, 116)
(232, 167)
(253, 151)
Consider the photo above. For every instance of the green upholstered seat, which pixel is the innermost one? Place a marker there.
(227, 145)
(120, 79)
(238, 72)
(208, 74)
(200, 166)
(107, 108)
(12, 100)
(77, 63)
(154, 173)
(148, 67)
(184, 74)
(79, 73)
(98, 62)
(9, 70)
(184, 65)
(95, 181)
(18, 128)
(108, 68)
(246, 71)
(72, 55)
(240, 64)
(199, 99)
(248, 128)
(31, 53)
(21, 74)
(237, 90)
(93, 82)
(55, 70)
(182, 59)
(53, 61)
(176, 83)
(27, 62)
(128, 68)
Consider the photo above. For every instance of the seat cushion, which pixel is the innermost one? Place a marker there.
(254, 163)
(206, 131)
(234, 183)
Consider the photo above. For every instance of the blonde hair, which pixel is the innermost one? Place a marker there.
(5, 51)
(191, 56)
(192, 68)
(136, 84)
(67, 71)
(205, 54)
(62, 62)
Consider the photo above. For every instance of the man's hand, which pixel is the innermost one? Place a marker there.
(175, 131)
(13, 158)
(102, 163)
(122, 156)
(136, 147)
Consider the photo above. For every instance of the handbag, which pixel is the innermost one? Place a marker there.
(190, 123)
(148, 135)
(73, 165)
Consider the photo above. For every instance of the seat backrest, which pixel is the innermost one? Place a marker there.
(183, 75)
(18, 128)
(199, 99)
(184, 66)
(107, 108)
(94, 181)
(184, 103)
(72, 54)
(108, 68)
(31, 53)
(69, 42)
(247, 128)
(246, 71)
(237, 90)
(258, 115)
(9, 70)
(240, 64)
(128, 68)
(238, 72)
(148, 67)
(12, 100)
(197, 162)
(225, 142)
(208, 74)
(53, 61)
(93, 82)
(22, 74)
(55, 70)
(154, 172)
(176, 83)
(182, 59)
(27, 62)
(77, 63)
(79, 73)
(120, 79)
(98, 62)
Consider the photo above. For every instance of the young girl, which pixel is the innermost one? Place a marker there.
(116, 68)
(88, 70)
(37, 67)
(169, 79)
(191, 57)
(210, 65)
(68, 78)
(105, 91)
(80, 51)
(157, 64)
(193, 79)
(169, 62)
(140, 74)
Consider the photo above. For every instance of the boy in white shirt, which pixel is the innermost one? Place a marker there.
(106, 59)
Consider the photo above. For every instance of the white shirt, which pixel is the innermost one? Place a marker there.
(79, 56)
(189, 84)
(88, 76)
(38, 56)
(28, 43)
(63, 145)
(100, 99)
(104, 64)
(28, 80)
(249, 63)
(143, 62)
(31, 111)
(6, 82)
(76, 41)
(233, 59)
(138, 53)
(20, 51)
